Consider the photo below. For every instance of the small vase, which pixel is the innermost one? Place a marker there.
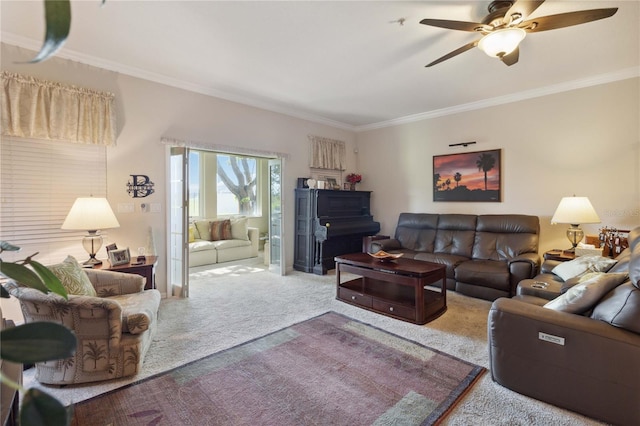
(352, 186)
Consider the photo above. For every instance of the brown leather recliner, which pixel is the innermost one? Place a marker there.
(585, 363)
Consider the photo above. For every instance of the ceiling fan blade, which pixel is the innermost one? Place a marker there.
(512, 57)
(522, 8)
(454, 53)
(552, 22)
(454, 25)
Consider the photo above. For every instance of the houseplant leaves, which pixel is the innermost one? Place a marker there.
(57, 14)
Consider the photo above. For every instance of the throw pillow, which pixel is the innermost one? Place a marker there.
(203, 229)
(73, 277)
(584, 295)
(620, 308)
(583, 264)
(221, 230)
(240, 229)
(192, 234)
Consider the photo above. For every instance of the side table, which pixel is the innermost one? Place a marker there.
(147, 269)
(560, 255)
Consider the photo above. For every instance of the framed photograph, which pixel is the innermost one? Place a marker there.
(332, 183)
(469, 176)
(119, 257)
(346, 186)
(111, 247)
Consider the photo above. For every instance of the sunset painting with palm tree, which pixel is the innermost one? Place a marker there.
(476, 176)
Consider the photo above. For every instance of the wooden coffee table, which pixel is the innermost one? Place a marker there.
(395, 288)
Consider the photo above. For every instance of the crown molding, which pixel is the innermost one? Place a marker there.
(94, 61)
(566, 86)
(69, 54)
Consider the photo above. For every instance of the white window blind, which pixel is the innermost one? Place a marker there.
(39, 181)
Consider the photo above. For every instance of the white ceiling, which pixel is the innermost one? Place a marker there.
(347, 63)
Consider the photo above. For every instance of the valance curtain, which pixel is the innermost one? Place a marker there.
(327, 153)
(33, 108)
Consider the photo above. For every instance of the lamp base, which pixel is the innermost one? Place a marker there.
(92, 243)
(92, 262)
(575, 235)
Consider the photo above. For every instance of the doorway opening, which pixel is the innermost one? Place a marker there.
(225, 214)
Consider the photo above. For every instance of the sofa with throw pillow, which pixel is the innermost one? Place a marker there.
(579, 350)
(113, 317)
(221, 240)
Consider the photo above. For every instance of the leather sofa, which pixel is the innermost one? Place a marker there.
(486, 255)
(585, 362)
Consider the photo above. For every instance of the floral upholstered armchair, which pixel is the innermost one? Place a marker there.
(112, 316)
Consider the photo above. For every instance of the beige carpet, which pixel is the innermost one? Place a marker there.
(232, 304)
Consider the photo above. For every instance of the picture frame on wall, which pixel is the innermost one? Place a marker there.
(469, 176)
(119, 257)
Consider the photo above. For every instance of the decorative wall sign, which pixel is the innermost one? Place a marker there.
(471, 176)
(140, 186)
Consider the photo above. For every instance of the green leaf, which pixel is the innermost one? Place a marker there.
(57, 15)
(41, 409)
(50, 280)
(6, 246)
(22, 275)
(37, 342)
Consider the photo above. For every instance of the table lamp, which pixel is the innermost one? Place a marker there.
(574, 211)
(91, 214)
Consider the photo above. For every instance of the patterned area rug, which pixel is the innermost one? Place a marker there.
(327, 370)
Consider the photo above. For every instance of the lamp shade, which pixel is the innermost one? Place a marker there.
(575, 210)
(90, 213)
(501, 42)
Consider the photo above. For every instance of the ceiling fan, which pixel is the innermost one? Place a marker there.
(505, 27)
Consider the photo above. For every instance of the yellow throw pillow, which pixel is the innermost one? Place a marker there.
(73, 278)
(192, 235)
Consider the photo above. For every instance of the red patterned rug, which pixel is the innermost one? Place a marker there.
(327, 370)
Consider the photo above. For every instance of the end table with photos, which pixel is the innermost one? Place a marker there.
(146, 268)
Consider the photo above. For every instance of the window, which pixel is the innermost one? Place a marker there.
(224, 184)
(39, 182)
(236, 184)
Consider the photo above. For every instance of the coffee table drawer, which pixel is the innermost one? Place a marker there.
(354, 297)
(395, 309)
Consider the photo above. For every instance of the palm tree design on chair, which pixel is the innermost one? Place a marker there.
(137, 322)
(485, 163)
(132, 356)
(95, 352)
(66, 364)
(107, 292)
(60, 308)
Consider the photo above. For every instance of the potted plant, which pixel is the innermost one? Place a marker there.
(35, 342)
(353, 178)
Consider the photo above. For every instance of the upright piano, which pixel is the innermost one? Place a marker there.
(329, 223)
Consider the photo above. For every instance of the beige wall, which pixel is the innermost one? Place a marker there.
(584, 142)
(148, 111)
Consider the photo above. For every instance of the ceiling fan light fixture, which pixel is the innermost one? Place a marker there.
(501, 42)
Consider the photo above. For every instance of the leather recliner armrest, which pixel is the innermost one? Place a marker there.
(386, 245)
(567, 360)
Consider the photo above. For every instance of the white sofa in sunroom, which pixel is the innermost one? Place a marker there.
(205, 249)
